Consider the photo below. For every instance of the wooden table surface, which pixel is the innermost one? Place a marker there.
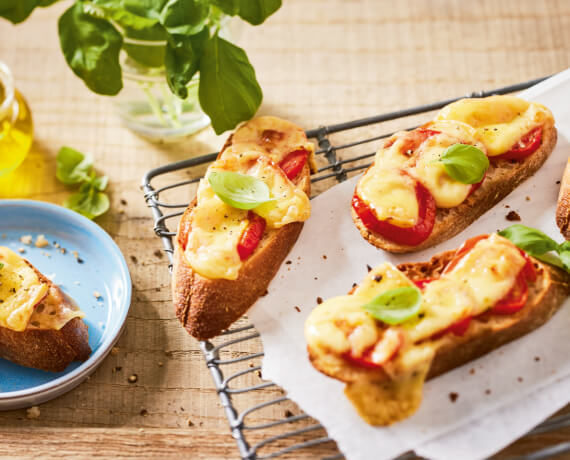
(319, 62)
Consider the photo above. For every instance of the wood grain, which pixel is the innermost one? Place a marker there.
(319, 62)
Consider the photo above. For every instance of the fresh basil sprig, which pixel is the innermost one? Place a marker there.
(395, 305)
(239, 190)
(539, 245)
(465, 163)
(91, 36)
(74, 167)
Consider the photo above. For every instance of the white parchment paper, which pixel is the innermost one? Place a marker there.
(501, 395)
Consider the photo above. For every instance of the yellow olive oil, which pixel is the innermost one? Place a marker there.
(16, 132)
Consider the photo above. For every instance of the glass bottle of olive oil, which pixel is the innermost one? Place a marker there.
(16, 127)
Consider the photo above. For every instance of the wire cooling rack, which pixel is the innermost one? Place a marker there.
(234, 368)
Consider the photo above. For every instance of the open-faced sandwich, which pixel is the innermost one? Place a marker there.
(428, 184)
(40, 326)
(247, 215)
(403, 325)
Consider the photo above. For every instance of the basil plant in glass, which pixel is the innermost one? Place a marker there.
(170, 63)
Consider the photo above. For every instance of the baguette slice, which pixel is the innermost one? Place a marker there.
(485, 333)
(563, 207)
(501, 179)
(205, 306)
(47, 349)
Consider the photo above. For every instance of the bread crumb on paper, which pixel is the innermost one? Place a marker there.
(33, 413)
(513, 216)
(453, 396)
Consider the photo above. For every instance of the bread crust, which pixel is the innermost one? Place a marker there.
(563, 207)
(47, 349)
(485, 333)
(502, 178)
(206, 307)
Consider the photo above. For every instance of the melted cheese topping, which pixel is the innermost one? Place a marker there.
(20, 290)
(275, 136)
(499, 122)
(54, 312)
(391, 195)
(216, 228)
(340, 325)
(446, 191)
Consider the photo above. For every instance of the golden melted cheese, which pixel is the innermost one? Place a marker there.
(216, 227)
(446, 191)
(391, 194)
(480, 279)
(276, 136)
(20, 290)
(54, 312)
(499, 122)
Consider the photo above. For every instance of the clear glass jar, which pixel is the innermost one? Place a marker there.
(16, 126)
(146, 105)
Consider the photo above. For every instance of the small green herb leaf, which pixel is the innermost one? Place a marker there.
(185, 17)
(72, 166)
(239, 190)
(88, 202)
(126, 13)
(257, 11)
(465, 163)
(229, 92)
(396, 305)
(91, 48)
(17, 11)
(230, 7)
(1, 265)
(100, 183)
(182, 60)
(530, 240)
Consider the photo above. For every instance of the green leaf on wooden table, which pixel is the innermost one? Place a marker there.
(91, 48)
(88, 202)
(395, 306)
(229, 92)
(239, 190)
(72, 166)
(184, 17)
(465, 163)
(257, 11)
(182, 60)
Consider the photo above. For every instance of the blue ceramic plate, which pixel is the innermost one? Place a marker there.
(97, 266)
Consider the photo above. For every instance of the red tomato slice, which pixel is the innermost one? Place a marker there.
(421, 283)
(414, 138)
(410, 236)
(515, 299)
(525, 147)
(462, 250)
(251, 236)
(294, 162)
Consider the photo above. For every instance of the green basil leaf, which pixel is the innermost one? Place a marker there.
(17, 11)
(229, 92)
(229, 7)
(465, 163)
(239, 190)
(100, 183)
(257, 11)
(91, 48)
(72, 167)
(45, 3)
(185, 17)
(396, 305)
(530, 240)
(565, 258)
(124, 13)
(89, 203)
(182, 60)
(147, 55)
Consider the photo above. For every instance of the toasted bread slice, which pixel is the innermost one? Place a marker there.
(563, 207)
(205, 306)
(501, 179)
(485, 333)
(47, 349)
